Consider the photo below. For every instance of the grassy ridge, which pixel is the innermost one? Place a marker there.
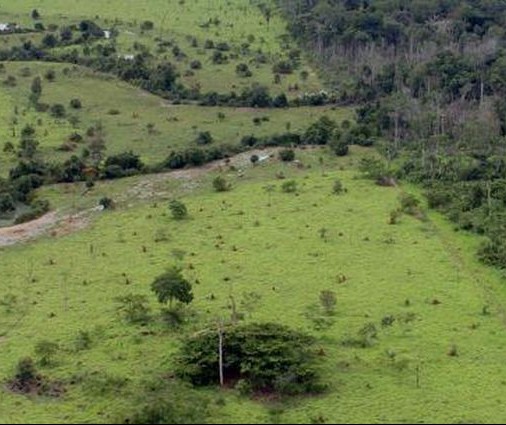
(279, 255)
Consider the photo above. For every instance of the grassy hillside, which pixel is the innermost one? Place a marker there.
(187, 25)
(421, 273)
(125, 113)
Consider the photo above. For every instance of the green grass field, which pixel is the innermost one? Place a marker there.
(239, 22)
(277, 252)
(125, 113)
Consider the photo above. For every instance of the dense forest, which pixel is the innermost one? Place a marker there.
(430, 77)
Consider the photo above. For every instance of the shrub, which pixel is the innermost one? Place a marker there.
(287, 155)
(57, 110)
(196, 64)
(338, 187)
(75, 104)
(220, 184)
(134, 308)
(242, 70)
(45, 351)
(204, 138)
(282, 67)
(289, 186)
(6, 203)
(50, 75)
(147, 25)
(167, 401)
(106, 203)
(178, 210)
(219, 57)
(249, 141)
(493, 252)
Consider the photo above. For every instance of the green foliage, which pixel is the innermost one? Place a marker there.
(172, 286)
(320, 132)
(45, 351)
(106, 202)
(220, 184)
(167, 402)
(338, 187)
(287, 155)
(204, 138)
(290, 186)
(134, 308)
(268, 357)
(178, 210)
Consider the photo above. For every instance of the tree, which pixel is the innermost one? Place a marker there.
(35, 14)
(172, 286)
(178, 210)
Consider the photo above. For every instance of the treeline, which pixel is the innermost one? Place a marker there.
(430, 76)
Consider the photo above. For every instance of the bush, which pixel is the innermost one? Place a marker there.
(287, 155)
(178, 210)
(204, 138)
(106, 203)
(45, 351)
(289, 186)
(282, 67)
(6, 203)
(249, 141)
(268, 357)
(338, 187)
(196, 64)
(75, 104)
(147, 26)
(220, 184)
(134, 308)
(57, 110)
(493, 252)
(167, 401)
(242, 70)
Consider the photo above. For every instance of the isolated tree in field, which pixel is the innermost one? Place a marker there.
(172, 286)
(178, 210)
(35, 14)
